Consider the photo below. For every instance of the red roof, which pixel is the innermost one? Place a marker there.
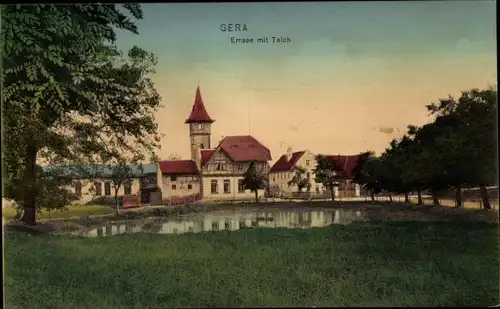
(346, 162)
(199, 113)
(242, 148)
(283, 165)
(206, 154)
(178, 167)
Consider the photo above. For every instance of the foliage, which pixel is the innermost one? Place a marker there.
(97, 104)
(254, 180)
(300, 179)
(327, 172)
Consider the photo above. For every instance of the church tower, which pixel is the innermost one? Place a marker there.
(199, 126)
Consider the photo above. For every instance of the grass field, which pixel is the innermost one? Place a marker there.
(70, 212)
(386, 264)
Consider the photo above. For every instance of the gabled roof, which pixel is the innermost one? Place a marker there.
(244, 148)
(206, 154)
(283, 165)
(241, 148)
(178, 167)
(97, 170)
(347, 163)
(199, 112)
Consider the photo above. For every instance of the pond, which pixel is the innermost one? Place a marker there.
(231, 221)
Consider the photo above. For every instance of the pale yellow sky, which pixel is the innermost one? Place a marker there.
(350, 68)
(332, 113)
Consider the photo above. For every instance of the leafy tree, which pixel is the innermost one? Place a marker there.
(327, 172)
(254, 181)
(174, 156)
(300, 179)
(121, 174)
(468, 134)
(373, 176)
(97, 104)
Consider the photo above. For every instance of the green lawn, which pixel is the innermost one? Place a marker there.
(70, 211)
(391, 264)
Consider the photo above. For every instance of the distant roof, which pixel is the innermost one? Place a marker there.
(199, 112)
(244, 148)
(98, 170)
(346, 162)
(283, 165)
(178, 167)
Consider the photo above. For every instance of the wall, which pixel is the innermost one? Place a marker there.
(220, 168)
(181, 184)
(233, 193)
(199, 137)
(88, 196)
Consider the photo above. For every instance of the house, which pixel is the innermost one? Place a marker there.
(179, 180)
(94, 183)
(212, 173)
(346, 163)
(283, 171)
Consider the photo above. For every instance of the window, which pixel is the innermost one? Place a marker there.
(226, 225)
(240, 167)
(241, 188)
(218, 167)
(307, 162)
(227, 186)
(78, 188)
(107, 188)
(274, 178)
(98, 188)
(202, 146)
(200, 126)
(127, 187)
(190, 186)
(174, 187)
(215, 225)
(213, 187)
(173, 178)
(317, 189)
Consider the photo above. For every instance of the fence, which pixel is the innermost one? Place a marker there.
(182, 200)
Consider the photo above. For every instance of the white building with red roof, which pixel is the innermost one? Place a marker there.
(212, 173)
(283, 171)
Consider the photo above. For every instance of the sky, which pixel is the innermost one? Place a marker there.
(354, 75)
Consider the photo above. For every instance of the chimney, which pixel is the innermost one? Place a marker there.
(289, 154)
(197, 158)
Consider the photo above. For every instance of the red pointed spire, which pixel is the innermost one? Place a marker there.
(199, 113)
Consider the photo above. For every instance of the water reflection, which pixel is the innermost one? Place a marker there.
(232, 222)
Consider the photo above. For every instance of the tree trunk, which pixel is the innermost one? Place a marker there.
(407, 198)
(332, 192)
(30, 189)
(435, 199)
(419, 194)
(256, 196)
(390, 197)
(372, 195)
(458, 197)
(117, 203)
(484, 197)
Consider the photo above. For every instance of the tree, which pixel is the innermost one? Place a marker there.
(121, 174)
(174, 156)
(468, 135)
(97, 104)
(300, 179)
(254, 181)
(327, 172)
